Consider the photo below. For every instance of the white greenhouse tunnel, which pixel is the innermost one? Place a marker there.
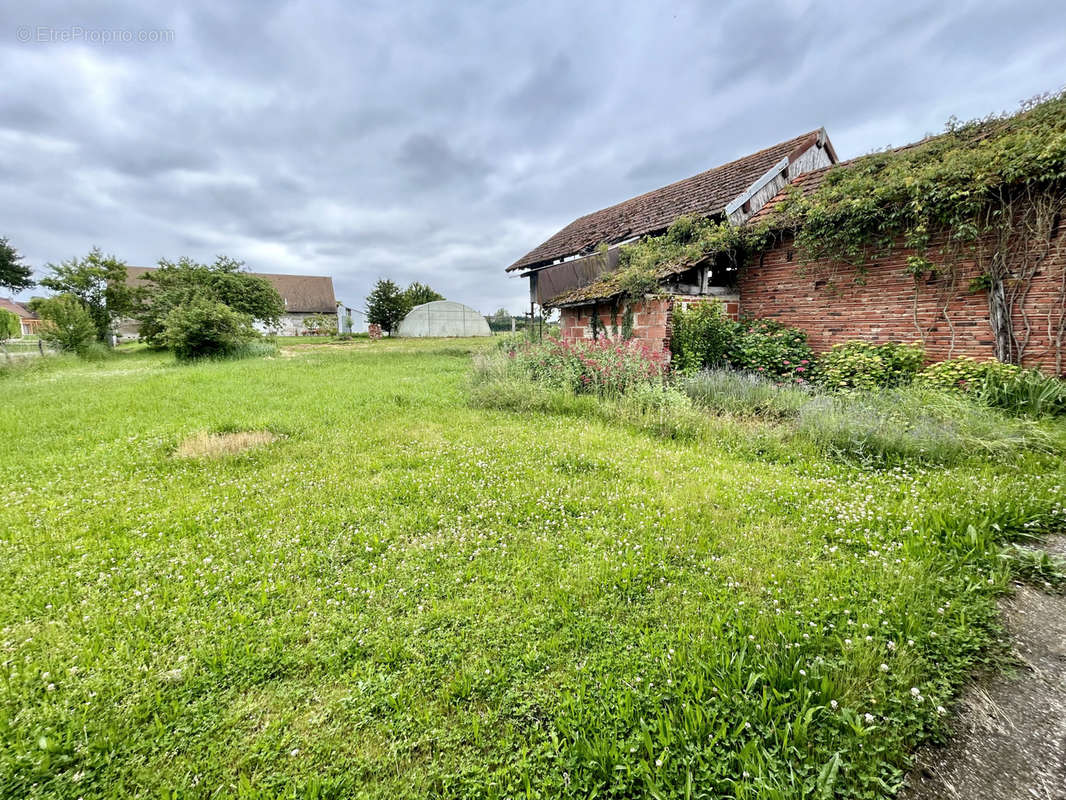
(443, 318)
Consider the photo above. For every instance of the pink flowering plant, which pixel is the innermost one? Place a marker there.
(604, 367)
(772, 350)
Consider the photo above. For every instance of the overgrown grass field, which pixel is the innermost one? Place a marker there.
(408, 595)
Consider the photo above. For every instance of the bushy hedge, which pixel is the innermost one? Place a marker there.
(205, 328)
(705, 338)
(863, 365)
(702, 335)
(771, 349)
(10, 326)
(68, 325)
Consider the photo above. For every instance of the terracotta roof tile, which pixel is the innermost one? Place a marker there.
(705, 194)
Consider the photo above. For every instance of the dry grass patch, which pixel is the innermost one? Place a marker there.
(214, 445)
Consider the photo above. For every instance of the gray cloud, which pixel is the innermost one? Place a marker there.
(439, 142)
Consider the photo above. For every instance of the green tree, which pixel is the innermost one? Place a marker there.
(205, 328)
(99, 282)
(68, 324)
(418, 293)
(321, 324)
(386, 305)
(180, 283)
(14, 275)
(10, 325)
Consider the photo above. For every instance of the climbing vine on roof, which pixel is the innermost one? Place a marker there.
(994, 188)
(688, 242)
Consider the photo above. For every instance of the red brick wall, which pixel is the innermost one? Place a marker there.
(651, 320)
(825, 300)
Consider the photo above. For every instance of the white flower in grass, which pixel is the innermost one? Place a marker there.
(658, 763)
(869, 718)
(833, 704)
(884, 667)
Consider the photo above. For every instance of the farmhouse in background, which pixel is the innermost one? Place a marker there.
(304, 296)
(30, 321)
(560, 269)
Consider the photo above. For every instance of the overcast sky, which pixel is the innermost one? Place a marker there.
(441, 141)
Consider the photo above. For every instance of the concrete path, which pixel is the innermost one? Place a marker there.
(1009, 739)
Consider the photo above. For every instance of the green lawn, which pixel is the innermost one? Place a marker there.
(406, 596)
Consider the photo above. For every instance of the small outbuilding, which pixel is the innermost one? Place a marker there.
(444, 318)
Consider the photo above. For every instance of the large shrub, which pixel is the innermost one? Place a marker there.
(68, 324)
(605, 367)
(702, 334)
(206, 329)
(1006, 386)
(10, 326)
(863, 365)
(771, 349)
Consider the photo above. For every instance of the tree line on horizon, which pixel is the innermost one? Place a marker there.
(192, 308)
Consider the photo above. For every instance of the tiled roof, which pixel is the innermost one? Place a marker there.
(16, 308)
(301, 293)
(705, 194)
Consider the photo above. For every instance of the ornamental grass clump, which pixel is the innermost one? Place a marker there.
(900, 425)
(743, 394)
(1006, 386)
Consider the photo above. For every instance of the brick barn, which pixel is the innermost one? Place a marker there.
(832, 302)
(566, 271)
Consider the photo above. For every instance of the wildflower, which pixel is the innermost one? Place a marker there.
(884, 667)
(868, 717)
(915, 691)
(833, 704)
(658, 763)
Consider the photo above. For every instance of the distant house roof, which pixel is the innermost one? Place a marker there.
(706, 194)
(310, 294)
(15, 307)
